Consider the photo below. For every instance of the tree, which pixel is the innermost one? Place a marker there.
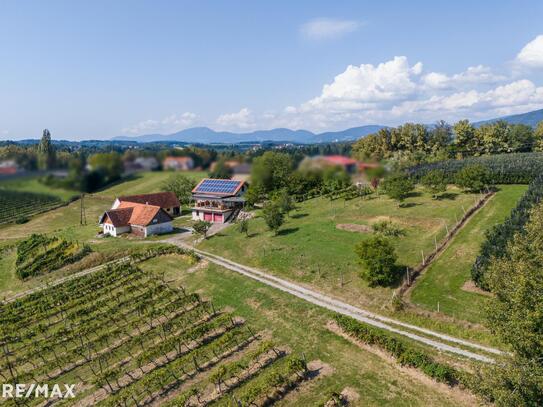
(466, 141)
(273, 216)
(181, 185)
(473, 178)
(243, 226)
(271, 171)
(398, 186)
(109, 164)
(435, 182)
(46, 152)
(538, 137)
(378, 256)
(284, 201)
(221, 170)
(201, 227)
(514, 315)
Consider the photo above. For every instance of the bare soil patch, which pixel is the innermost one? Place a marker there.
(353, 227)
(470, 287)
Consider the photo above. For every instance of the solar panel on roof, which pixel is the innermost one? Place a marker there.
(218, 186)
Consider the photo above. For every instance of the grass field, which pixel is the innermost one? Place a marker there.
(444, 279)
(311, 249)
(32, 184)
(377, 381)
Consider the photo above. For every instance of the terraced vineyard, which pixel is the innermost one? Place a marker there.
(16, 206)
(126, 337)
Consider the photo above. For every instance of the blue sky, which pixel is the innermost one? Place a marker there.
(101, 69)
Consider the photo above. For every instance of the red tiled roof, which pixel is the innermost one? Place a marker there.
(339, 160)
(133, 214)
(161, 199)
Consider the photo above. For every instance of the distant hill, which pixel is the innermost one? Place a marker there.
(529, 118)
(208, 136)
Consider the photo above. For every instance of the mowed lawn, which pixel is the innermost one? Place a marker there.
(311, 249)
(302, 327)
(444, 279)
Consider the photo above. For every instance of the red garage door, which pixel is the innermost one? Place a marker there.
(208, 216)
(218, 217)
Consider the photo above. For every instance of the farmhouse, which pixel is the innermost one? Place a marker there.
(140, 219)
(166, 200)
(178, 163)
(218, 200)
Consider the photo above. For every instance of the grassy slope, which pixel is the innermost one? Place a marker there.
(31, 184)
(302, 326)
(310, 249)
(443, 280)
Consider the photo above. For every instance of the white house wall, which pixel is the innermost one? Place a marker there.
(158, 229)
(116, 204)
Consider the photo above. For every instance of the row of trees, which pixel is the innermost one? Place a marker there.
(514, 315)
(415, 143)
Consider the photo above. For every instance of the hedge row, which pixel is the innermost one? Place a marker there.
(404, 354)
(499, 236)
(514, 168)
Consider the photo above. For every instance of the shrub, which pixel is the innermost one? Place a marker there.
(388, 228)
(379, 258)
(472, 178)
(273, 216)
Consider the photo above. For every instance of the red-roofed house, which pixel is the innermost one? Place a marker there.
(347, 163)
(143, 215)
(178, 163)
(141, 219)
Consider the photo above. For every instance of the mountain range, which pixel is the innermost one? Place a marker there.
(205, 135)
(208, 136)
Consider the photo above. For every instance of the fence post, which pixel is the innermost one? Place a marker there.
(422, 254)
(435, 241)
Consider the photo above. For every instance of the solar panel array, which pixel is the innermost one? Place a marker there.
(220, 186)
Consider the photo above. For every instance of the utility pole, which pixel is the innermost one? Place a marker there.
(82, 215)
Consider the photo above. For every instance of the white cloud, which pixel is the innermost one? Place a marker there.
(327, 28)
(474, 75)
(241, 120)
(365, 86)
(395, 91)
(169, 124)
(532, 54)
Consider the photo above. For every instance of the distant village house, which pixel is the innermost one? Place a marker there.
(218, 200)
(8, 167)
(178, 163)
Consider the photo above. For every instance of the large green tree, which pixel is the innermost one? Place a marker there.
(181, 185)
(398, 186)
(271, 172)
(46, 152)
(435, 182)
(473, 178)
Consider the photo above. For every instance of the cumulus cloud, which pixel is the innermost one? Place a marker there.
(395, 91)
(241, 120)
(531, 55)
(169, 124)
(474, 75)
(327, 28)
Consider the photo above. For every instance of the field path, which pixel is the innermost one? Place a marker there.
(359, 314)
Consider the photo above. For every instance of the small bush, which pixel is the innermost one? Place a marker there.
(388, 228)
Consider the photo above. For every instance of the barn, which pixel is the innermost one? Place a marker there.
(218, 200)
